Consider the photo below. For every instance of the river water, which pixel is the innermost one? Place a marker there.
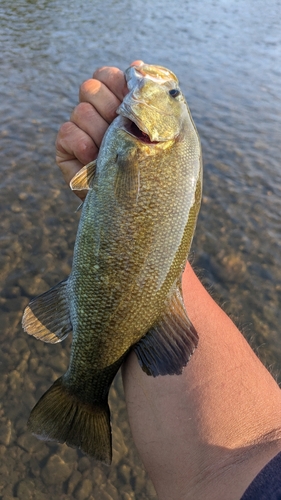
(226, 54)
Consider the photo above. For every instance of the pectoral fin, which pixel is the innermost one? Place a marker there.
(83, 178)
(47, 316)
(168, 346)
(127, 181)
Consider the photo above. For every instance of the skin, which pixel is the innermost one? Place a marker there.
(207, 433)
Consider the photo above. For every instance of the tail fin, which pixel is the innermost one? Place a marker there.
(61, 416)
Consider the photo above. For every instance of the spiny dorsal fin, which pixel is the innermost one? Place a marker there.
(168, 346)
(83, 178)
(47, 316)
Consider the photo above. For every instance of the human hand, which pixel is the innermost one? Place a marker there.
(78, 140)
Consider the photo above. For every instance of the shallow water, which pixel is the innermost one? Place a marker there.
(227, 56)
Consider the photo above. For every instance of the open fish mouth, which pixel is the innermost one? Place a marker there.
(133, 125)
(142, 126)
(134, 130)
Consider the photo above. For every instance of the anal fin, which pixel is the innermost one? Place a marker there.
(168, 346)
(47, 316)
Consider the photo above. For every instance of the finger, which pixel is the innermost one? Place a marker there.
(69, 168)
(74, 149)
(138, 62)
(72, 142)
(113, 79)
(87, 118)
(102, 99)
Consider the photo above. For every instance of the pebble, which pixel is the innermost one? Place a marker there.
(15, 452)
(111, 490)
(25, 489)
(127, 488)
(3, 385)
(138, 480)
(97, 475)
(149, 488)
(14, 380)
(29, 400)
(4, 471)
(127, 496)
(125, 473)
(235, 266)
(33, 363)
(12, 292)
(102, 494)
(29, 385)
(42, 451)
(2, 450)
(120, 448)
(41, 496)
(83, 464)
(73, 481)
(20, 345)
(29, 442)
(83, 490)
(16, 305)
(35, 466)
(56, 471)
(33, 287)
(113, 396)
(16, 208)
(5, 432)
(7, 491)
(58, 362)
(68, 454)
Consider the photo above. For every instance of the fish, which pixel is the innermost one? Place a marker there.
(124, 290)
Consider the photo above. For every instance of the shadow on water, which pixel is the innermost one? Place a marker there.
(227, 57)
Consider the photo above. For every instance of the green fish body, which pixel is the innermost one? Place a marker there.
(133, 240)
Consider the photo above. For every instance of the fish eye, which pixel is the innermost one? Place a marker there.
(174, 92)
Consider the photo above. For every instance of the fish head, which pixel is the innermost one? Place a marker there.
(154, 107)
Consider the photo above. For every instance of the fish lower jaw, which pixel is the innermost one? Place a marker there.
(131, 128)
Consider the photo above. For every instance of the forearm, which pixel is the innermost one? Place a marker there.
(217, 424)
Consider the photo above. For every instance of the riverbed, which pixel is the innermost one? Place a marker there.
(227, 57)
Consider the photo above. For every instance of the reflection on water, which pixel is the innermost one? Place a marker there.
(227, 55)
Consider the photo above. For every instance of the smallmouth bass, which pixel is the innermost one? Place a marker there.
(132, 244)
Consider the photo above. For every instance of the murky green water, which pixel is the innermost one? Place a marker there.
(227, 56)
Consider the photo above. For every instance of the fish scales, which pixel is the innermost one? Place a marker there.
(133, 240)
